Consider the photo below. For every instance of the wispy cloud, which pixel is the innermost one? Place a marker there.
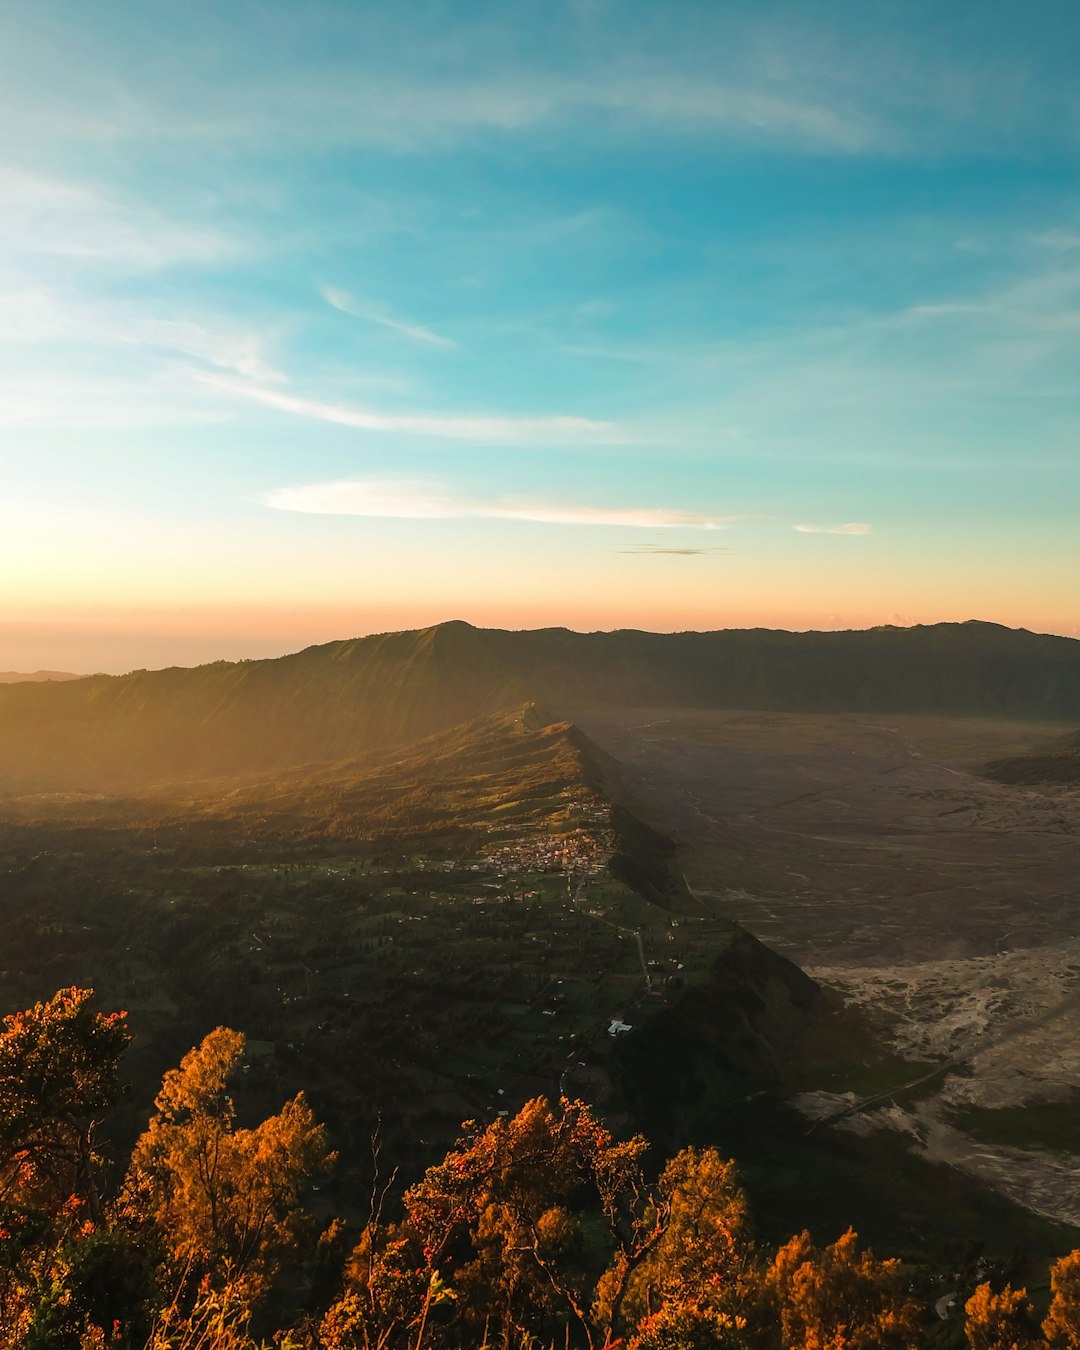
(674, 552)
(785, 79)
(419, 499)
(453, 426)
(40, 316)
(241, 352)
(942, 379)
(50, 217)
(852, 527)
(1057, 240)
(93, 401)
(413, 112)
(68, 363)
(417, 332)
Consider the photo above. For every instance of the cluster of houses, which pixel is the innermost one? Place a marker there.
(584, 852)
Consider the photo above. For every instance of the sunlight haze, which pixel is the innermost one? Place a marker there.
(337, 319)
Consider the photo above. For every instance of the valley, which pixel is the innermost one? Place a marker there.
(875, 854)
(433, 875)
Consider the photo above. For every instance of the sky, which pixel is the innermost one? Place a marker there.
(336, 318)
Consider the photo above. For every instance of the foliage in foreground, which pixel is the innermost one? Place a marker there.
(537, 1230)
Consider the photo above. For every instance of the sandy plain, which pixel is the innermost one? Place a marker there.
(871, 851)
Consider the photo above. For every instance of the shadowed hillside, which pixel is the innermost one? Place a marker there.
(1056, 762)
(481, 898)
(341, 699)
(508, 770)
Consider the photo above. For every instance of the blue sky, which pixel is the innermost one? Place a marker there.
(326, 319)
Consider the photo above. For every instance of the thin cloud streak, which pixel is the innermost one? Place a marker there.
(674, 552)
(413, 113)
(408, 499)
(451, 426)
(48, 217)
(417, 332)
(37, 316)
(853, 527)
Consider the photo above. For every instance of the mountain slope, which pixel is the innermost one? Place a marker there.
(1056, 762)
(342, 699)
(490, 875)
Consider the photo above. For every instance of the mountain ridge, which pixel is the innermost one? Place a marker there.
(327, 702)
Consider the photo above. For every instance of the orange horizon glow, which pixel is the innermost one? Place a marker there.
(116, 640)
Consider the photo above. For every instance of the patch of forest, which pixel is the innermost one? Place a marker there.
(540, 1228)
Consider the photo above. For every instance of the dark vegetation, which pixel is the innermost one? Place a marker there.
(435, 935)
(1056, 762)
(1045, 1125)
(445, 931)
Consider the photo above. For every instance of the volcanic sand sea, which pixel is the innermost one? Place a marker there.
(871, 851)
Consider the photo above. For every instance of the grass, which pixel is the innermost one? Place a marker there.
(886, 1076)
(1053, 1126)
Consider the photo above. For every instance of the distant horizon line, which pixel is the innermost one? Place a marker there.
(46, 675)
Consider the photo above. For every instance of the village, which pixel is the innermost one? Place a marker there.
(448, 984)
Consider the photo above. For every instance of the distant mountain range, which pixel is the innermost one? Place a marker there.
(342, 699)
(16, 677)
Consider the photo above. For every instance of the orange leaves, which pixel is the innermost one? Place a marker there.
(682, 1325)
(1062, 1325)
(1006, 1320)
(525, 1162)
(217, 1195)
(500, 1218)
(688, 1245)
(58, 1074)
(60, 1056)
(198, 1087)
(540, 1229)
(1003, 1321)
(838, 1298)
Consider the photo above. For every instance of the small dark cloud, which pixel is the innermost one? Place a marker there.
(674, 552)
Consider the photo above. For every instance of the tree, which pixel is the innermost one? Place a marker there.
(689, 1326)
(1004, 1321)
(59, 1076)
(222, 1198)
(691, 1251)
(60, 1263)
(838, 1298)
(492, 1232)
(1062, 1325)
(495, 1213)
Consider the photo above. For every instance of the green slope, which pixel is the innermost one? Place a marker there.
(480, 901)
(342, 699)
